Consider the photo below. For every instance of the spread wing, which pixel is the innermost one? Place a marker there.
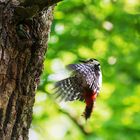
(88, 72)
(69, 89)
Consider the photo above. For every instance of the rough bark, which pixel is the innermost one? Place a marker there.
(22, 47)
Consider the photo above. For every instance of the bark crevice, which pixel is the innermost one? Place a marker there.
(22, 48)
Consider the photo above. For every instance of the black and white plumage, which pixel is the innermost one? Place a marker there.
(83, 85)
(69, 89)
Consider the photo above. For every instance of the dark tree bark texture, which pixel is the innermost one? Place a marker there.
(23, 43)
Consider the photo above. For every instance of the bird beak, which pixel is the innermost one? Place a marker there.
(82, 61)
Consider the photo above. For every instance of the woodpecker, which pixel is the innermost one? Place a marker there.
(84, 84)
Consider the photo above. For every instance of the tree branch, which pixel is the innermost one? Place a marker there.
(75, 121)
(71, 117)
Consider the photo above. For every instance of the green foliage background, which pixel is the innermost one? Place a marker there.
(108, 30)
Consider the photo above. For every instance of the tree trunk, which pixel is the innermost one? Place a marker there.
(23, 43)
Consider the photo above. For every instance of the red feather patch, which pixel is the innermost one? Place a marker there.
(89, 99)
